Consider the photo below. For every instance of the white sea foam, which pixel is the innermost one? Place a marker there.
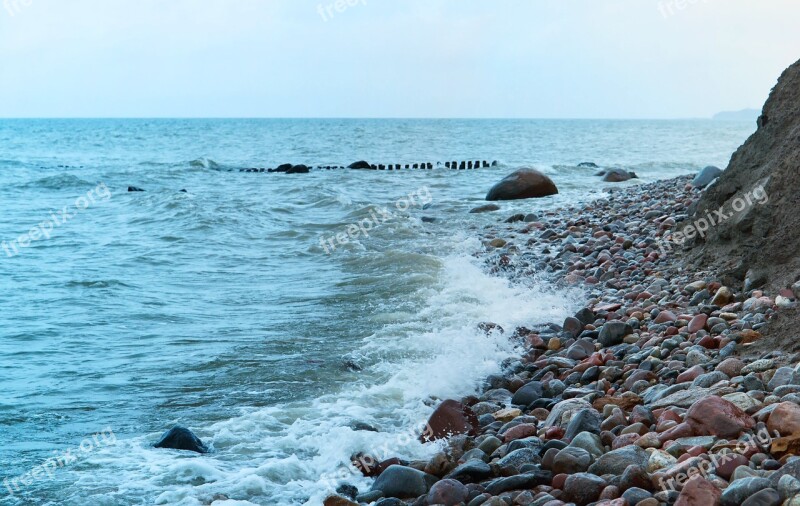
(283, 454)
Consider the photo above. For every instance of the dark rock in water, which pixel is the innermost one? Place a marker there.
(181, 438)
(347, 490)
(485, 209)
(428, 219)
(590, 165)
(450, 418)
(706, 176)
(494, 163)
(359, 165)
(404, 482)
(363, 426)
(516, 218)
(617, 176)
(350, 365)
(489, 327)
(284, 167)
(525, 183)
(183, 191)
(134, 189)
(298, 169)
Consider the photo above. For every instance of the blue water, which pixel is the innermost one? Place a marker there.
(219, 309)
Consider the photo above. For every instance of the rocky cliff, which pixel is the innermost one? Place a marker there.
(754, 219)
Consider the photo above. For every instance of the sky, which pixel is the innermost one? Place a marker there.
(392, 58)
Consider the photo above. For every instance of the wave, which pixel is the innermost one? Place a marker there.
(297, 453)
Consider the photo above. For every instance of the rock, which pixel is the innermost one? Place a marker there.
(723, 297)
(706, 176)
(573, 325)
(659, 460)
(585, 420)
(583, 488)
(766, 497)
(739, 490)
(284, 167)
(714, 416)
(616, 461)
(731, 367)
(525, 183)
(617, 176)
(488, 208)
(497, 243)
(515, 218)
(298, 169)
(562, 412)
(589, 165)
(589, 442)
(518, 458)
(528, 394)
(181, 438)
(448, 493)
(699, 492)
(571, 460)
(403, 482)
(338, 501)
(451, 417)
(473, 471)
(762, 365)
(519, 482)
(134, 189)
(785, 419)
(346, 490)
(783, 376)
(507, 414)
(359, 165)
(698, 323)
(612, 333)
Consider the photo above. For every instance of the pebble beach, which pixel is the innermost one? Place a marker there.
(646, 396)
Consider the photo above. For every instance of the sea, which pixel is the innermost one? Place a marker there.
(281, 317)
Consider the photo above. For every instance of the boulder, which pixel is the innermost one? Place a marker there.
(298, 169)
(618, 176)
(699, 492)
(715, 416)
(450, 418)
(525, 183)
(403, 482)
(616, 461)
(706, 176)
(359, 165)
(181, 438)
(488, 208)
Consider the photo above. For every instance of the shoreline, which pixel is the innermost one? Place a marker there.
(648, 385)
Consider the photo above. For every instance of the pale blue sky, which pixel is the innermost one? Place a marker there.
(392, 58)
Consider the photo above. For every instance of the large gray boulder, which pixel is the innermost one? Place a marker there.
(706, 176)
(525, 183)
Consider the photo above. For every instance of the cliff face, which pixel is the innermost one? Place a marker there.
(758, 243)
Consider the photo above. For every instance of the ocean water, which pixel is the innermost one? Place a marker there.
(226, 307)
